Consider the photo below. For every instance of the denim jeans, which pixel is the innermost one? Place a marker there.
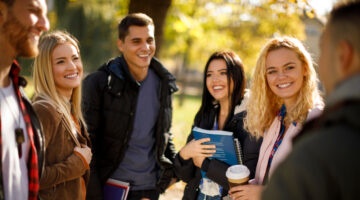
(202, 196)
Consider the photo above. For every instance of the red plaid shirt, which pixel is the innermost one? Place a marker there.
(33, 173)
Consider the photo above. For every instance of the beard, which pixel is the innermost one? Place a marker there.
(20, 38)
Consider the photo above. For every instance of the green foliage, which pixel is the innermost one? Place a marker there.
(197, 28)
(94, 23)
(193, 30)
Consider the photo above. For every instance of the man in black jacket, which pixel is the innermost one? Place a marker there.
(21, 141)
(127, 105)
(325, 161)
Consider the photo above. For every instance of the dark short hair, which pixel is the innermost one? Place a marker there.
(344, 22)
(8, 2)
(133, 19)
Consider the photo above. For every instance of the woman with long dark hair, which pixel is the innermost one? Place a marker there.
(223, 94)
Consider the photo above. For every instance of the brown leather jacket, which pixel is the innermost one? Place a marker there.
(64, 170)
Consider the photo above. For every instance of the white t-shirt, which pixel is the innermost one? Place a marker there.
(14, 169)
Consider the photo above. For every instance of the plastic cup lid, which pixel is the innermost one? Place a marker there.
(237, 172)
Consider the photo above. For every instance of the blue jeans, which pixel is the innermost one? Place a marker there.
(202, 196)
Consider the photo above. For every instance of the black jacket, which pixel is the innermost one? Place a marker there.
(109, 103)
(38, 134)
(215, 169)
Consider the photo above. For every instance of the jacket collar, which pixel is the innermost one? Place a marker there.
(120, 69)
(347, 89)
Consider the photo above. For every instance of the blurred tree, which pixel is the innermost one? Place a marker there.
(93, 23)
(240, 25)
(157, 10)
(192, 29)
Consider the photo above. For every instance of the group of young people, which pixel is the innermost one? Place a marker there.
(76, 134)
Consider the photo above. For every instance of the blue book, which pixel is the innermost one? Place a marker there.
(116, 190)
(227, 149)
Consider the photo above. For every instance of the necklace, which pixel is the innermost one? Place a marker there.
(19, 132)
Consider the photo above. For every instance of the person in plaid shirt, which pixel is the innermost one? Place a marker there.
(21, 141)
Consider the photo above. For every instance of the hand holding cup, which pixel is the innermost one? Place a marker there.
(237, 175)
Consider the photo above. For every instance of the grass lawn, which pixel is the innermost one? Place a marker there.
(183, 117)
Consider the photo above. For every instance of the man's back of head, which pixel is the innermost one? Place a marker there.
(344, 23)
(340, 45)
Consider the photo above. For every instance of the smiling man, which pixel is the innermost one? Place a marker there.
(21, 24)
(128, 108)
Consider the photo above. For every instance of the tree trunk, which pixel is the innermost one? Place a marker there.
(157, 10)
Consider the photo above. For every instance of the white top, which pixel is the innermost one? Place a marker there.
(14, 170)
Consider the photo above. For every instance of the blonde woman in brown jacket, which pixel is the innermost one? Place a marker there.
(57, 77)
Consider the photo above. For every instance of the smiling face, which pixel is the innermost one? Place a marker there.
(217, 80)
(67, 68)
(22, 27)
(284, 74)
(138, 48)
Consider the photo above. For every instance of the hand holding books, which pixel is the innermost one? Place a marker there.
(198, 150)
(226, 149)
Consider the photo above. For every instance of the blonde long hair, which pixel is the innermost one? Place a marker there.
(44, 80)
(264, 104)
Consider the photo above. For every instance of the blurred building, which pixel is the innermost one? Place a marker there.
(50, 4)
(313, 29)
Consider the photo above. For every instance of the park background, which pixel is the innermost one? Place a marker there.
(187, 32)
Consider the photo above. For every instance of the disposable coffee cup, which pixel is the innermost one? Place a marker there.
(237, 175)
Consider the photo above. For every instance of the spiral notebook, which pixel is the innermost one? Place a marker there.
(228, 148)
